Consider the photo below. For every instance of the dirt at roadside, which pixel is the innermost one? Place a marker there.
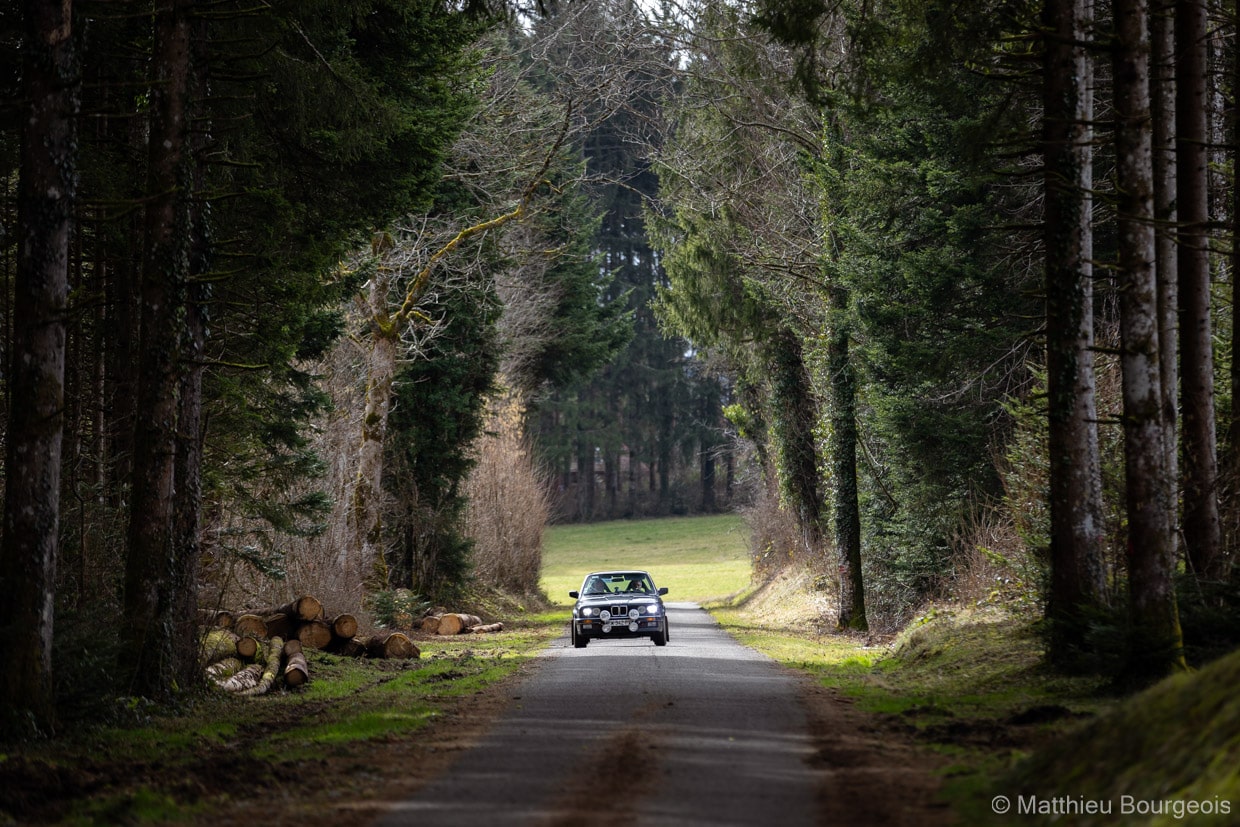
(871, 775)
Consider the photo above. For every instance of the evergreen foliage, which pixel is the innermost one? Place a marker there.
(346, 130)
(438, 412)
(940, 315)
(634, 410)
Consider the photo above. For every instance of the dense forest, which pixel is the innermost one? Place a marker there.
(355, 296)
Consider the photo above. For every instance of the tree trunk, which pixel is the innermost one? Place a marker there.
(151, 656)
(455, 623)
(1156, 646)
(843, 447)
(1162, 114)
(794, 413)
(486, 628)
(46, 196)
(585, 479)
(1233, 436)
(364, 551)
(1202, 533)
(1077, 576)
(187, 503)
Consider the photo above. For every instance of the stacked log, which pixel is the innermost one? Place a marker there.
(219, 618)
(454, 623)
(315, 634)
(344, 626)
(281, 625)
(218, 644)
(247, 678)
(391, 645)
(224, 669)
(250, 624)
(296, 671)
(260, 648)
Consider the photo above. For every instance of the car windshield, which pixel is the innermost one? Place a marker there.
(632, 582)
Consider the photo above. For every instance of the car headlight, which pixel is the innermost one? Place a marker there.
(653, 608)
(634, 614)
(587, 612)
(605, 615)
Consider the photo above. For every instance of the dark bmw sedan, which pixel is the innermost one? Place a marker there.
(618, 604)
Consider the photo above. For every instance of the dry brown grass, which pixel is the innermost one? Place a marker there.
(508, 505)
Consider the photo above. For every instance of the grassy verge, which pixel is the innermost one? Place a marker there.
(969, 687)
(359, 727)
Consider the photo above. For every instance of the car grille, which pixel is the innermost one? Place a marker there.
(618, 611)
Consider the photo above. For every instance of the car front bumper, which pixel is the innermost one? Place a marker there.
(620, 627)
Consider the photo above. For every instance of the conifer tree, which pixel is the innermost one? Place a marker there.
(1156, 646)
(47, 189)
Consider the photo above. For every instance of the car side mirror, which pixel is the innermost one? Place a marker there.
(573, 594)
(663, 590)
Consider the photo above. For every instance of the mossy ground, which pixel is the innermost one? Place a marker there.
(973, 690)
(359, 726)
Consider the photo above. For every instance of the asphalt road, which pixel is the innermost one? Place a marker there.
(702, 731)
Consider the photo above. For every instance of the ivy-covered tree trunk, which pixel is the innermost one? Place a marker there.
(1202, 534)
(1156, 645)
(1233, 436)
(794, 412)
(47, 191)
(843, 448)
(364, 547)
(152, 652)
(1077, 575)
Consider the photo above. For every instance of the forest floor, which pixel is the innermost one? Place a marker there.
(900, 739)
(938, 722)
(933, 724)
(366, 733)
(966, 689)
(361, 727)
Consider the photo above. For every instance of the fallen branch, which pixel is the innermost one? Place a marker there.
(487, 627)
(243, 679)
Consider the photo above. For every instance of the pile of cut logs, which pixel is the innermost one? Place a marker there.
(249, 652)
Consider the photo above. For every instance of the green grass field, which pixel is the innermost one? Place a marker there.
(696, 558)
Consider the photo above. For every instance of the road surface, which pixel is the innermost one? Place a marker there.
(702, 731)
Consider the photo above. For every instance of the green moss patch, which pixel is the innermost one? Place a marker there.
(1168, 755)
(359, 723)
(971, 687)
